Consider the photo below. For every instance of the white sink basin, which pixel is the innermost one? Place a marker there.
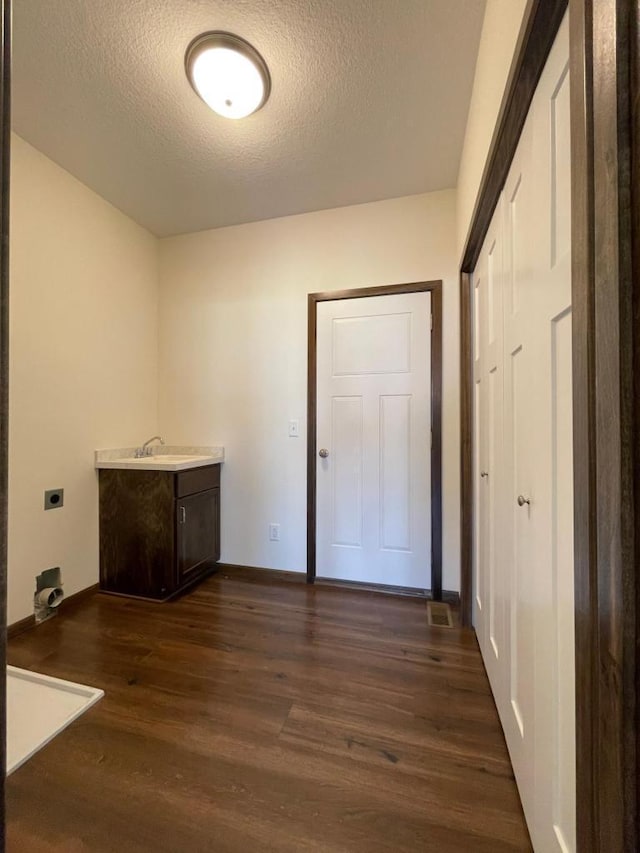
(162, 459)
(159, 461)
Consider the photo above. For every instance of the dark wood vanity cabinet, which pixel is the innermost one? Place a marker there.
(159, 530)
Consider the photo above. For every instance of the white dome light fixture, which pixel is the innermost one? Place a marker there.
(228, 74)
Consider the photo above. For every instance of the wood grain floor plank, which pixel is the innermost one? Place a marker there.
(259, 714)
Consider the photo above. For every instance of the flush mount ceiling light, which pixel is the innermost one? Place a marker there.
(228, 73)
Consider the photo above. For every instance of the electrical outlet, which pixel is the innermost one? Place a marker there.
(53, 498)
(294, 429)
(274, 532)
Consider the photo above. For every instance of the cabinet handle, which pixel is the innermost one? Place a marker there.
(183, 515)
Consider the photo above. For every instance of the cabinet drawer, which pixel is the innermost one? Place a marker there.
(197, 480)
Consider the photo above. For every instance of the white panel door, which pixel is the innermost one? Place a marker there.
(551, 513)
(374, 422)
(517, 687)
(491, 600)
(523, 544)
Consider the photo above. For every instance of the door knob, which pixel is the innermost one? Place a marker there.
(484, 473)
(522, 500)
(323, 453)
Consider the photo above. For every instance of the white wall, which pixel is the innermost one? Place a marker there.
(233, 354)
(83, 371)
(500, 32)
(84, 341)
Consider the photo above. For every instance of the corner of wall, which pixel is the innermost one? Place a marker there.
(83, 363)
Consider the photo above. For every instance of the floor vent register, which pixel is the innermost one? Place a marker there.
(439, 614)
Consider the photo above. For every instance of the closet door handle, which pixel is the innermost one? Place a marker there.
(522, 500)
(484, 474)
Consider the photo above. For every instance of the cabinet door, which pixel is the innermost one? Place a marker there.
(137, 533)
(198, 533)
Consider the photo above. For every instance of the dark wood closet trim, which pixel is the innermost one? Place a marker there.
(435, 288)
(466, 449)
(633, 770)
(583, 427)
(605, 152)
(5, 164)
(605, 140)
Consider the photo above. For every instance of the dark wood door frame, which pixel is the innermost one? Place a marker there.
(5, 113)
(605, 155)
(435, 288)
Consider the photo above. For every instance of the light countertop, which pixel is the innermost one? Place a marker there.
(163, 458)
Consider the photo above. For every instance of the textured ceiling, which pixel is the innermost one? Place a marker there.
(369, 101)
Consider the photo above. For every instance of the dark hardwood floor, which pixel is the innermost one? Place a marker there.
(261, 714)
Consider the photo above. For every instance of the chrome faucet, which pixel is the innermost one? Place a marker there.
(145, 450)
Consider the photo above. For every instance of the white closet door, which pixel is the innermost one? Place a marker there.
(521, 549)
(552, 481)
(523, 572)
(491, 591)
